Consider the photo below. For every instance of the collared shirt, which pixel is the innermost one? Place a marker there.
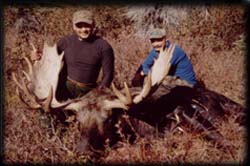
(85, 58)
(180, 64)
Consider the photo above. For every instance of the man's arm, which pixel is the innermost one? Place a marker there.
(143, 69)
(138, 78)
(36, 54)
(107, 67)
(61, 45)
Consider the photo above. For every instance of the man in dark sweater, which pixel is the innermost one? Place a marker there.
(85, 54)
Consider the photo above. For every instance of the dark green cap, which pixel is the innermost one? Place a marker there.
(157, 33)
(83, 16)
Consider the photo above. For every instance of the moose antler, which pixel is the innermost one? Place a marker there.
(37, 88)
(162, 65)
(154, 78)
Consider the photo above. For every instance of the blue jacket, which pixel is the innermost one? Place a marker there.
(180, 64)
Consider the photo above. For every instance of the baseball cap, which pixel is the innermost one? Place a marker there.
(157, 33)
(83, 16)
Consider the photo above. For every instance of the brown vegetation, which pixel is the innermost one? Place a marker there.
(212, 36)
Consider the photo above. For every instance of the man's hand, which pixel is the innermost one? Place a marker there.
(101, 89)
(138, 79)
(35, 54)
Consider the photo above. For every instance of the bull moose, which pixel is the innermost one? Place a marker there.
(104, 116)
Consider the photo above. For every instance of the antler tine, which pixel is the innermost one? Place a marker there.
(128, 94)
(29, 65)
(121, 102)
(25, 90)
(107, 104)
(26, 75)
(22, 87)
(145, 90)
(33, 46)
(30, 105)
(15, 80)
(119, 95)
(47, 103)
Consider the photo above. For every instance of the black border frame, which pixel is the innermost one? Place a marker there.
(140, 2)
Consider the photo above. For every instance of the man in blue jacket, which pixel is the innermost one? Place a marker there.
(181, 66)
(170, 94)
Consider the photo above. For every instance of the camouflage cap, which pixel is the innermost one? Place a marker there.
(157, 33)
(83, 16)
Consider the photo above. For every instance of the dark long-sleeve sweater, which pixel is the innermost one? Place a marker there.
(85, 58)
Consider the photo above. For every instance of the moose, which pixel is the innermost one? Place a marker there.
(103, 116)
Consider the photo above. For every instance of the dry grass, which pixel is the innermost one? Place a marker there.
(183, 147)
(43, 145)
(30, 136)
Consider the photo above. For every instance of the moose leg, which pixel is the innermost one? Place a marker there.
(201, 124)
(83, 145)
(91, 143)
